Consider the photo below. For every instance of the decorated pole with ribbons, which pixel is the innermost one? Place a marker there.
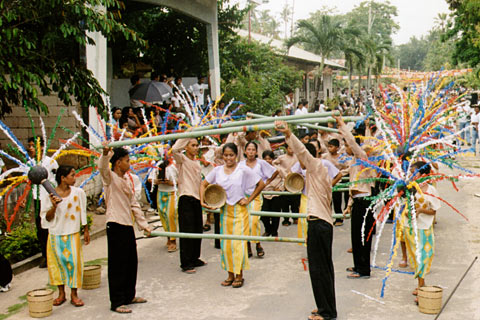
(224, 236)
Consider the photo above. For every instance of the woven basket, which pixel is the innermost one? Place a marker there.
(40, 303)
(294, 182)
(430, 299)
(92, 276)
(215, 196)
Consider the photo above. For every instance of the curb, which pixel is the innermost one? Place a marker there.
(34, 261)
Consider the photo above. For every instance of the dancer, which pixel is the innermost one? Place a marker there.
(320, 229)
(122, 247)
(426, 206)
(165, 178)
(285, 162)
(40, 192)
(268, 173)
(63, 217)
(189, 208)
(237, 181)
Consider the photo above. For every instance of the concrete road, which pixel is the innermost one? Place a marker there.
(278, 287)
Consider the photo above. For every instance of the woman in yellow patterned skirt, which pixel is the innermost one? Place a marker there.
(237, 181)
(63, 217)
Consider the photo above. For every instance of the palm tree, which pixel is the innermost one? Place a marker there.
(375, 52)
(286, 16)
(323, 37)
(351, 48)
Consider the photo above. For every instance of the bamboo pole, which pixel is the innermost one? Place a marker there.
(224, 236)
(283, 214)
(266, 119)
(190, 134)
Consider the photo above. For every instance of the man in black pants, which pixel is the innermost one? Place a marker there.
(122, 247)
(189, 208)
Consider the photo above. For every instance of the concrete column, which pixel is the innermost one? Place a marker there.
(97, 63)
(213, 58)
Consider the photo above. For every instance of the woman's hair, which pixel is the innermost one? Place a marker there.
(63, 171)
(254, 144)
(334, 142)
(115, 109)
(126, 111)
(118, 153)
(311, 148)
(268, 153)
(232, 146)
(422, 167)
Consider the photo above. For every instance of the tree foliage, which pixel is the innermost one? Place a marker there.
(40, 50)
(465, 30)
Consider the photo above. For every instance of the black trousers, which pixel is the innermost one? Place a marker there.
(320, 265)
(189, 220)
(216, 230)
(361, 252)
(294, 203)
(42, 234)
(276, 204)
(122, 264)
(337, 202)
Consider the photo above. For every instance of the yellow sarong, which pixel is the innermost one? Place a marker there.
(234, 253)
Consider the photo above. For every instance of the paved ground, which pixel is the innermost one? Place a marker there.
(278, 287)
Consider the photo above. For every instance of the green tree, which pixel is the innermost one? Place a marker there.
(465, 31)
(40, 52)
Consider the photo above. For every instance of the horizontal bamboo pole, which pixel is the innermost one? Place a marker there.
(291, 214)
(191, 134)
(283, 214)
(311, 126)
(280, 193)
(224, 236)
(266, 119)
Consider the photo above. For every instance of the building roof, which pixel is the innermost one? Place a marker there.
(293, 53)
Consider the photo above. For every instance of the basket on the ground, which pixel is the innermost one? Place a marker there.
(92, 276)
(215, 196)
(430, 299)
(40, 303)
(294, 182)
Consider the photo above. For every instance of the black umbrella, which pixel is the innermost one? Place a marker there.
(149, 92)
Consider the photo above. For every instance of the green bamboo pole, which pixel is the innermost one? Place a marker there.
(280, 193)
(283, 214)
(224, 236)
(190, 134)
(266, 119)
(311, 126)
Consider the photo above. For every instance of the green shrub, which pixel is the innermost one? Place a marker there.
(20, 244)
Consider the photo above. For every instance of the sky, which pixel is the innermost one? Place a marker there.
(415, 17)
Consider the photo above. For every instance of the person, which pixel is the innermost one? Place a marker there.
(334, 157)
(475, 122)
(165, 178)
(133, 122)
(242, 138)
(123, 210)
(113, 124)
(39, 192)
(285, 163)
(189, 208)
(274, 203)
(358, 203)
(134, 82)
(426, 206)
(299, 111)
(237, 181)
(63, 216)
(320, 229)
(268, 173)
(198, 90)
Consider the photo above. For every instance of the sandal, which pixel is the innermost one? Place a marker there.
(315, 317)
(356, 275)
(238, 283)
(189, 271)
(77, 303)
(350, 269)
(172, 247)
(226, 283)
(350, 250)
(58, 302)
(403, 264)
(314, 311)
(123, 309)
(260, 252)
(138, 300)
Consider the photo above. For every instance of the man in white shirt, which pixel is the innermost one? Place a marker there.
(198, 90)
(39, 192)
(300, 110)
(464, 113)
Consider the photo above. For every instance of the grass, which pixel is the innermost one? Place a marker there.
(101, 261)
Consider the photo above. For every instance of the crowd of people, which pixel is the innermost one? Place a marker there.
(243, 164)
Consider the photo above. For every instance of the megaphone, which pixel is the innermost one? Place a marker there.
(38, 175)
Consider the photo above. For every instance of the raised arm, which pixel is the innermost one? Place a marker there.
(177, 149)
(103, 166)
(350, 139)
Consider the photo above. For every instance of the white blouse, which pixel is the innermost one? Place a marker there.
(237, 184)
(70, 214)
